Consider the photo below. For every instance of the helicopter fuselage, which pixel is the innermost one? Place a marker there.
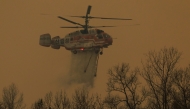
(93, 39)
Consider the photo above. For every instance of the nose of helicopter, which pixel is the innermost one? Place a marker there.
(110, 41)
(108, 38)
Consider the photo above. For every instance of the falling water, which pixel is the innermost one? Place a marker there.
(83, 67)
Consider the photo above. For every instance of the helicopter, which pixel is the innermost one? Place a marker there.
(88, 38)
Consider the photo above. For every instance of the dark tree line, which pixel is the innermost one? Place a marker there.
(81, 99)
(165, 86)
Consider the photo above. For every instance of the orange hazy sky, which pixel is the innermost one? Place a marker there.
(37, 70)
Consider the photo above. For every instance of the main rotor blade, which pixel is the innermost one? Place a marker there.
(70, 27)
(109, 18)
(82, 27)
(69, 21)
(90, 17)
(100, 26)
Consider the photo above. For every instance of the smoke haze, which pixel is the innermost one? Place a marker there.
(83, 68)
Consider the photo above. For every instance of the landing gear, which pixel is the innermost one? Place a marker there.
(101, 53)
(99, 50)
(74, 52)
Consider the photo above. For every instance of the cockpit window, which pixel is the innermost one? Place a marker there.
(100, 36)
(105, 35)
(99, 31)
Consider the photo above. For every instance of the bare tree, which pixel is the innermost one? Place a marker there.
(126, 83)
(66, 104)
(181, 89)
(12, 99)
(99, 102)
(112, 101)
(2, 105)
(157, 71)
(175, 105)
(82, 100)
(48, 99)
(39, 105)
(62, 101)
(59, 101)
